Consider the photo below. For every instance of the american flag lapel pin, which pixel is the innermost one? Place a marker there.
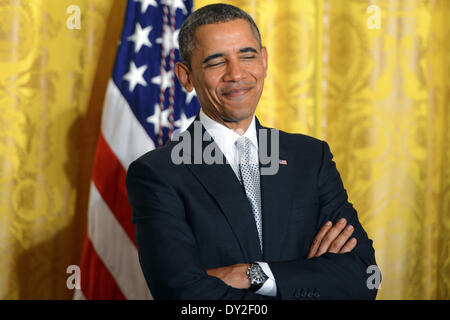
(283, 162)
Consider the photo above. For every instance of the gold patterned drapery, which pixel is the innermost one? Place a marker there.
(52, 83)
(380, 97)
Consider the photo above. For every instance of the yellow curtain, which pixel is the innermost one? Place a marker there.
(381, 98)
(52, 83)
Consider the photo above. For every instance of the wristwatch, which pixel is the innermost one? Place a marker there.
(256, 276)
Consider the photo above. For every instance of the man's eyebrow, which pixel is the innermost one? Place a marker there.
(219, 55)
(212, 57)
(248, 49)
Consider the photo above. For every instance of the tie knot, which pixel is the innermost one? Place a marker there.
(243, 144)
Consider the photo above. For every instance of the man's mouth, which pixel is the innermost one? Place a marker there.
(236, 92)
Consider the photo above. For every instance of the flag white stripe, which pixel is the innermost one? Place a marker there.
(115, 248)
(122, 131)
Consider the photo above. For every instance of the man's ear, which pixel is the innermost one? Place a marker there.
(265, 57)
(184, 76)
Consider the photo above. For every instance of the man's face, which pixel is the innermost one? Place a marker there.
(228, 71)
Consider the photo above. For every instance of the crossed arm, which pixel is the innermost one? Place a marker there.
(334, 239)
(335, 266)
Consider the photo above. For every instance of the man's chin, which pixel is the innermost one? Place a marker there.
(237, 117)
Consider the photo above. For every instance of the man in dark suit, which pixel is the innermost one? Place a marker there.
(224, 229)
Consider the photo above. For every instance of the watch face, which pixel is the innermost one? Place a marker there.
(256, 274)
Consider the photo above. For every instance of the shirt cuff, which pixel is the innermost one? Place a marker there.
(269, 287)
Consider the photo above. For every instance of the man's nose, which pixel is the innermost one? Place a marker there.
(234, 71)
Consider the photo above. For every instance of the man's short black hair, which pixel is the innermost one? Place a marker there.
(210, 14)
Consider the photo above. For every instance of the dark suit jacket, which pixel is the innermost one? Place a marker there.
(192, 217)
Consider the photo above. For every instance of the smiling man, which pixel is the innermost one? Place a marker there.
(226, 231)
(228, 69)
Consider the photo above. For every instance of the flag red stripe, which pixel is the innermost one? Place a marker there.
(97, 283)
(109, 178)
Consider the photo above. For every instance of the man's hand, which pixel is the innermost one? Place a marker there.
(234, 275)
(333, 239)
(329, 239)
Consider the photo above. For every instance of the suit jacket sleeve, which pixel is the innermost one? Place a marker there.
(168, 253)
(330, 276)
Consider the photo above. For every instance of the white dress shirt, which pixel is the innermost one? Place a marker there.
(225, 139)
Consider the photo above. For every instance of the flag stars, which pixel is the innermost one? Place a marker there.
(135, 76)
(140, 37)
(184, 122)
(189, 95)
(169, 39)
(146, 3)
(164, 80)
(159, 118)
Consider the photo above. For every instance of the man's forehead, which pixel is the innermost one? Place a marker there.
(223, 29)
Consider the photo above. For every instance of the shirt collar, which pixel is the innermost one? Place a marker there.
(224, 137)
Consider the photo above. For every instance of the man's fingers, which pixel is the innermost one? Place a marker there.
(349, 246)
(317, 240)
(331, 235)
(341, 239)
(333, 239)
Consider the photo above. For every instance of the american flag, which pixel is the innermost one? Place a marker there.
(144, 105)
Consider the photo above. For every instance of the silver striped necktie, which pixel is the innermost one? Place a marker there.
(249, 174)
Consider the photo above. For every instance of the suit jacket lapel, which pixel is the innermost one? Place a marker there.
(222, 184)
(276, 193)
